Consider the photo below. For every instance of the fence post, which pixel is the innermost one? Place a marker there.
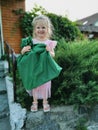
(14, 67)
(11, 58)
(7, 50)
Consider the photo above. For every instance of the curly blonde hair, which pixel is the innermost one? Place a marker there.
(45, 20)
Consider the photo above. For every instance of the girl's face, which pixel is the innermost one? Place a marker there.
(41, 30)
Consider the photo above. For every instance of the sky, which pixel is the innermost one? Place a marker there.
(73, 9)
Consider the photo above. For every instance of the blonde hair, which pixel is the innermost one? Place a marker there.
(46, 20)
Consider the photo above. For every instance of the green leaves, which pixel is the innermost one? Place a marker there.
(79, 79)
(63, 27)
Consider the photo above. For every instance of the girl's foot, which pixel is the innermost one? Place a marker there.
(46, 107)
(34, 107)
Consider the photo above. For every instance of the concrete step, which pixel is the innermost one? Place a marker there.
(60, 118)
(4, 108)
(5, 124)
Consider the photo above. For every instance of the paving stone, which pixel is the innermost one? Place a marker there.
(5, 124)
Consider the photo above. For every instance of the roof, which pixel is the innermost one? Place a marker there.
(89, 24)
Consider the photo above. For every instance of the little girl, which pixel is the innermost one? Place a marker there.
(42, 31)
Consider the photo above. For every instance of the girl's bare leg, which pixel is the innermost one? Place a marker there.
(34, 106)
(46, 106)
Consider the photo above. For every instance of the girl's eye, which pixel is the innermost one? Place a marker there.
(38, 27)
(43, 27)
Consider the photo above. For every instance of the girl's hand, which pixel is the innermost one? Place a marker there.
(25, 49)
(51, 51)
(47, 48)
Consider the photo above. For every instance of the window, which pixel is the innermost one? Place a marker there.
(85, 22)
(96, 24)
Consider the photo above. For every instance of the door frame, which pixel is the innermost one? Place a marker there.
(1, 35)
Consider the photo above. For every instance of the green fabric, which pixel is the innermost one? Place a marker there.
(37, 66)
(26, 41)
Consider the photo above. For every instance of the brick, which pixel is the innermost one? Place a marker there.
(11, 34)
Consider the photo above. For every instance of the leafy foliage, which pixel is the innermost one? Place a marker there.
(77, 84)
(63, 27)
(81, 124)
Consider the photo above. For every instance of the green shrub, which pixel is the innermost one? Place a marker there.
(78, 81)
(63, 27)
(81, 124)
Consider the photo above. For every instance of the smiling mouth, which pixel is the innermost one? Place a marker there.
(41, 33)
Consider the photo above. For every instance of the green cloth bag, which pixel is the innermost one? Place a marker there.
(37, 66)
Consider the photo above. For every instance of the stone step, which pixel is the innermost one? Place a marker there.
(71, 124)
(3, 92)
(1, 70)
(2, 86)
(4, 114)
(3, 75)
(4, 108)
(64, 112)
(60, 118)
(5, 124)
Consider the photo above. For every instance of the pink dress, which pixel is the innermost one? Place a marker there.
(43, 91)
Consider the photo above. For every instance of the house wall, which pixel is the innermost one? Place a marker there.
(10, 23)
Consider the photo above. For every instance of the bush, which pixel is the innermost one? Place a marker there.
(78, 82)
(63, 27)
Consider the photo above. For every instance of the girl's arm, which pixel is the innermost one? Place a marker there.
(51, 51)
(51, 46)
